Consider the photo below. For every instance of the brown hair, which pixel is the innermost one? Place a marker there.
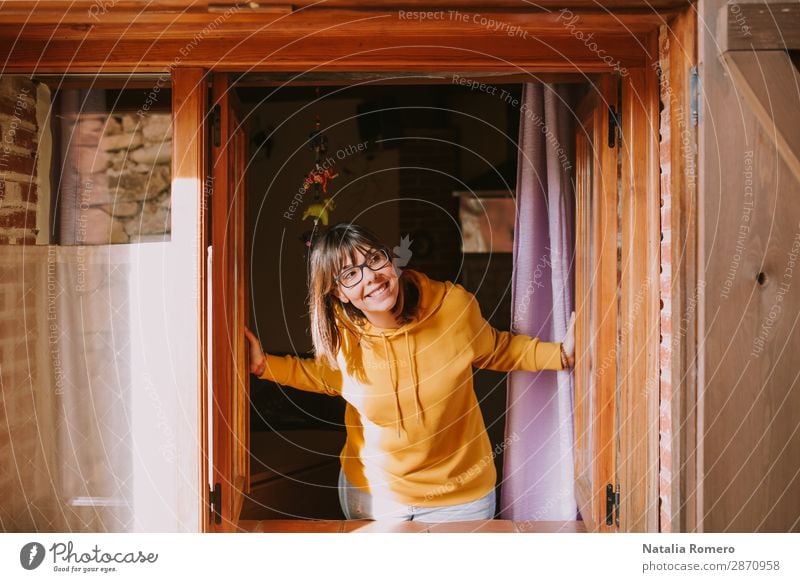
(327, 257)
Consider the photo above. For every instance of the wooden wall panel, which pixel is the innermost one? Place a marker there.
(748, 456)
(758, 24)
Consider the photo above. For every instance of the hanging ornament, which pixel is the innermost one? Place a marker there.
(319, 211)
(317, 179)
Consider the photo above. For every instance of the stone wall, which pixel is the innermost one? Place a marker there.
(121, 164)
(114, 175)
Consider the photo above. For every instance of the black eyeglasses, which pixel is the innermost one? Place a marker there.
(352, 276)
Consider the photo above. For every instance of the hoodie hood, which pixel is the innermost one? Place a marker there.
(432, 296)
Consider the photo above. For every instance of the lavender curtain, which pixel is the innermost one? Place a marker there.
(538, 481)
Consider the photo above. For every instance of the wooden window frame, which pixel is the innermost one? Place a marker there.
(350, 42)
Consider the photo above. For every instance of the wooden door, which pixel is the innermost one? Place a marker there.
(230, 401)
(596, 301)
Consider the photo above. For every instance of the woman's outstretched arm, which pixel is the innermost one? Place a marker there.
(503, 351)
(301, 373)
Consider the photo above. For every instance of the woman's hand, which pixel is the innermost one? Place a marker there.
(569, 341)
(257, 360)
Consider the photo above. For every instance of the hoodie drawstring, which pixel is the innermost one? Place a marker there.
(393, 378)
(398, 417)
(417, 403)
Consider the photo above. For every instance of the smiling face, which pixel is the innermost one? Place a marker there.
(376, 294)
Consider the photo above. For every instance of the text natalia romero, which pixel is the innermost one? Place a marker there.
(679, 549)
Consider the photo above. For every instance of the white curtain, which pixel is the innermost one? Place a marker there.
(99, 385)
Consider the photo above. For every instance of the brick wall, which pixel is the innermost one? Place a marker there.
(18, 190)
(24, 483)
(665, 399)
(29, 468)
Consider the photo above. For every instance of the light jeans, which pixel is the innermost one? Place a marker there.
(358, 504)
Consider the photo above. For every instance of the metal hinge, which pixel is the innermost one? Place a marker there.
(216, 123)
(612, 505)
(613, 126)
(693, 105)
(215, 502)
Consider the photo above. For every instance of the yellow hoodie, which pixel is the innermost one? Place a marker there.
(415, 433)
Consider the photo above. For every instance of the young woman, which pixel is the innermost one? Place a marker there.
(399, 348)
